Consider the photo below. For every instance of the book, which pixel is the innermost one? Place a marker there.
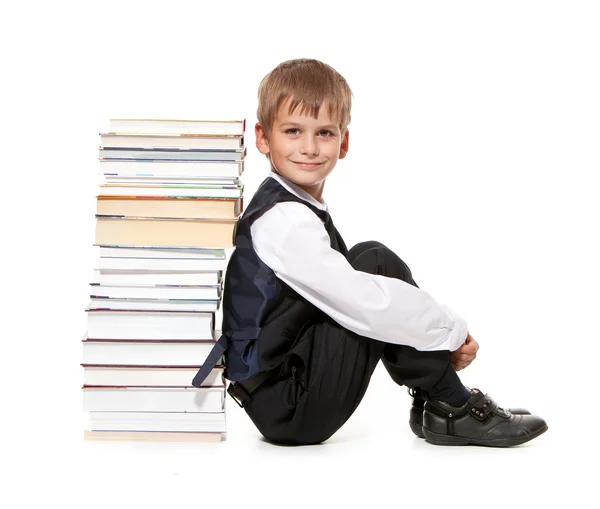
(151, 436)
(214, 422)
(171, 141)
(153, 399)
(144, 181)
(149, 325)
(126, 263)
(165, 292)
(155, 278)
(156, 190)
(146, 353)
(191, 208)
(209, 306)
(140, 376)
(200, 169)
(157, 126)
(199, 253)
(165, 232)
(188, 154)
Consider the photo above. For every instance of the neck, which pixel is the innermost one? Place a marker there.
(315, 191)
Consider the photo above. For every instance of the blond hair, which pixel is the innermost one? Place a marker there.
(307, 83)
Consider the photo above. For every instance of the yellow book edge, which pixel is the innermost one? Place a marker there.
(152, 436)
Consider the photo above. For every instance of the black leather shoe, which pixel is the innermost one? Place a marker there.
(415, 420)
(480, 421)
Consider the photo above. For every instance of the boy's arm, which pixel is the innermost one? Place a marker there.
(292, 241)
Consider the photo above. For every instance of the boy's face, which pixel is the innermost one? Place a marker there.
(304, 149)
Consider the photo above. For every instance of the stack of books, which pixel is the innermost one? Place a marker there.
(167, 206)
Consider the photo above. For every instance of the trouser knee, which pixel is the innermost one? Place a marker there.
(376, 258)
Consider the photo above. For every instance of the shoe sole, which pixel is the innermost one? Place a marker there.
(437, 439)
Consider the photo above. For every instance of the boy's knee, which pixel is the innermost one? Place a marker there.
(376, 258)
(362, 247)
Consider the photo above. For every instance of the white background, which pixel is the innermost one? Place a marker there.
(474, 154)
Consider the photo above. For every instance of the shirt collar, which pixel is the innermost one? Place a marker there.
(297, 191)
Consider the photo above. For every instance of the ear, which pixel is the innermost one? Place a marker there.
(344, 145)
(262, 143)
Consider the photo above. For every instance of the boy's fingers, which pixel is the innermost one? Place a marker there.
(471, 347)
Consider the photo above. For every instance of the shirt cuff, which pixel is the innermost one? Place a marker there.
(458, 332)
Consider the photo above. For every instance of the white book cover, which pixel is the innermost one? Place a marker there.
(159, 252)
(176, 126)
(166, 292)
(170, 141)
(141, 180)
(145, 353)
(172, 154)
(155, 278)
(159, 264)
(159, 376)
(207, 169)
(197, 191)
(214, 422)
(152, 305)
(154, 325)
(154, 399)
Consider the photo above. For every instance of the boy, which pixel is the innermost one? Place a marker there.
(305, 320)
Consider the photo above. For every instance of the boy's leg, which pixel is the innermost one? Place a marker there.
(429, 371)
(340, 380)
(330, 369)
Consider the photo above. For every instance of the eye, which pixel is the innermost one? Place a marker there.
(326, 133)
(292, 130)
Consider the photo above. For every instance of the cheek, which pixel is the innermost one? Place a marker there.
(333, 151)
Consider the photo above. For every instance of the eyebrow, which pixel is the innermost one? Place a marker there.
(295, 124)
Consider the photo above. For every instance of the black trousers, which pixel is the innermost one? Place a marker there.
(329, 368)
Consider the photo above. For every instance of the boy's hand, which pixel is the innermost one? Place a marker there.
(465, 355)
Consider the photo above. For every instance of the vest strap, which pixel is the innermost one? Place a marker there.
(211, 360)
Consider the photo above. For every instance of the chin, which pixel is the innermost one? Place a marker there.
(307, 180)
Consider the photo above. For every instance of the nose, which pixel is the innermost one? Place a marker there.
(309, 145)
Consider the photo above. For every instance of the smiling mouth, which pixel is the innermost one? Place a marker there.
(307, 165)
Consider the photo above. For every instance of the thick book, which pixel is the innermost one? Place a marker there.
(153, 399)
(199, 169)
(186, 208)
(164, 292)
(176, 126)
(166, 190)
(146, 353)
(165, 232)
(171, 141)
(156, 278)
(144, 376)
(209, 306)
(185, 422)
(150, 325)
(159, 154)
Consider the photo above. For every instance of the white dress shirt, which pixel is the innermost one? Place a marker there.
(293, 242)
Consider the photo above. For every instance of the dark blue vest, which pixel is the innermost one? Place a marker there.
(262, 316)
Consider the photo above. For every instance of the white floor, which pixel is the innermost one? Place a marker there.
(374, 460)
